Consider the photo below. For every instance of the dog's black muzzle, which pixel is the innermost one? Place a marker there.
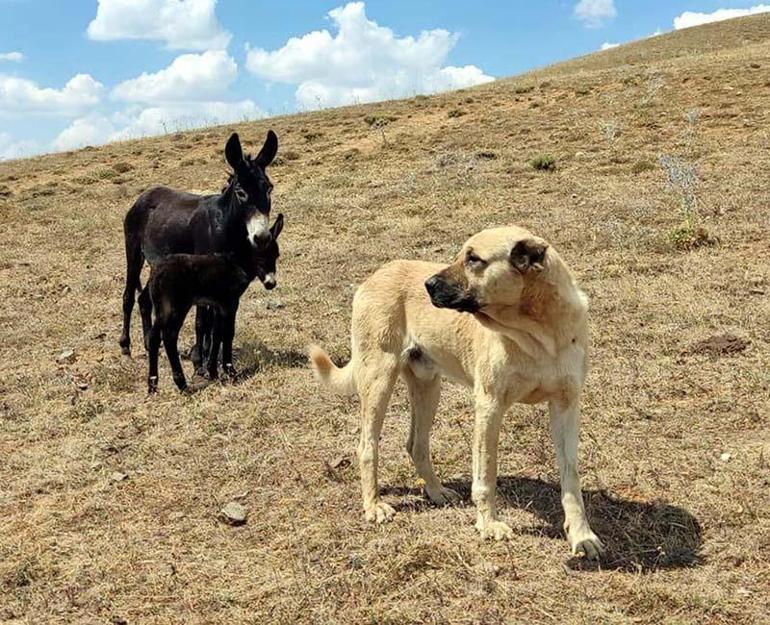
(447, 295)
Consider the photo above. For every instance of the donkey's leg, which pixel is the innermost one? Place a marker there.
(216, 341)
(196, 355)
(228, 333)
(145, 310)
(134, 262)
(152, 351)
(170, 337)
(204, 320)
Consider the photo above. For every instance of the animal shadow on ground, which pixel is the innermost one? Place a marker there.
(639, 537)
(251, 357)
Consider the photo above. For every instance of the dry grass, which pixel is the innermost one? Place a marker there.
(675, 438)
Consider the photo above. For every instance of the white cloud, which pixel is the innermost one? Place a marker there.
(144, 122)
(363, 62)
(19, 95)
(189, 77)
(91, 130)
(13, 57)
(593, 13)
(608, 46)
(181, 24)
(173, 117)
(690, 18)
(11, 148)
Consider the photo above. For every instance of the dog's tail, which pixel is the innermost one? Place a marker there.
(339, 379)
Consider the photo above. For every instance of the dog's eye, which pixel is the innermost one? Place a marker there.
(472, 259)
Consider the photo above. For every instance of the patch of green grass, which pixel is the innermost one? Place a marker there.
(641, 166)
(543, 162)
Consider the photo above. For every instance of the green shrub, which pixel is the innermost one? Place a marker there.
(543, 162)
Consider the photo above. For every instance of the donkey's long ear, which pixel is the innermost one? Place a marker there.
(528, 255)
(233, 151)
(268, 151)
(276, 228)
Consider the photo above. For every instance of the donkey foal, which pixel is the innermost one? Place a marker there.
(179, 281)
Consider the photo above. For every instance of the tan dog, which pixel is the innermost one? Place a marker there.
(507, 319)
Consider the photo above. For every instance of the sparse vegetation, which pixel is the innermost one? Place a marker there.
(682, 180)
(642, 166)
(543, 162)
(110, 504)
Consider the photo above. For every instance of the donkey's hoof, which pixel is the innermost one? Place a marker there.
(125, 349)
(230, 371)
(152, 385)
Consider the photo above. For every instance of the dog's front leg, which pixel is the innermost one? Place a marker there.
(486, 434)
(565, 426)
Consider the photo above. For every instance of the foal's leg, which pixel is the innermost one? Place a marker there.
(228, 333)
(170, 338)
(145, 310)
(216, 341)
(152, 351)
(197, 355)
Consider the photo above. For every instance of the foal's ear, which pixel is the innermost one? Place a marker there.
(268, 151)
(276, 228)
(233, 151)
(528, 255)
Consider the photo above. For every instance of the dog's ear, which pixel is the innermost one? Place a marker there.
(528, 255)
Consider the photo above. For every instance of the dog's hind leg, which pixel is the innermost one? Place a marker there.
(565, 423)
(423, 401)
(374, 387)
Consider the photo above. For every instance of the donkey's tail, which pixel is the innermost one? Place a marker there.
(339, 379)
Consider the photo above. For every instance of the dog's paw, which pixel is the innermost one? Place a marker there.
(442, 495)
(379, 512)
(584, 542)
(496, 530)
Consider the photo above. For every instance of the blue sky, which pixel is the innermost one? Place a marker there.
(85, 72)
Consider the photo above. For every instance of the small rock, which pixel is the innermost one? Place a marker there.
(234, 513)
(274, 304)
(118, 476)
(66, 357)
(725, 456)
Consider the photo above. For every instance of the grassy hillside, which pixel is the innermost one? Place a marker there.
(109, 503)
